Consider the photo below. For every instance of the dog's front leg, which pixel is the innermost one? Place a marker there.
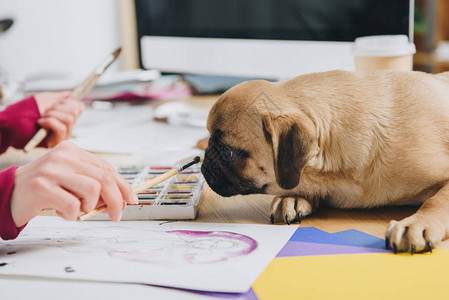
(290, 208)
(423, 230)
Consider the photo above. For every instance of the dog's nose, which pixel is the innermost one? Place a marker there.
(216, 179)
(214, 174)
(211, 171)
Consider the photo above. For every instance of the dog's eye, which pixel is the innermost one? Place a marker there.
(226, 154)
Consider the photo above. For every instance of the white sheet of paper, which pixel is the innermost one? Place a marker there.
(190, 255)
(19, 288)
(131, 129)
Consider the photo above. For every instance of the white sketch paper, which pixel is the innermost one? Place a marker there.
(131, 129)
(191, 255)
(19, 288)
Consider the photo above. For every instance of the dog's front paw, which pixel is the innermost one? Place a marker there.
(290, 209)
(414, 234)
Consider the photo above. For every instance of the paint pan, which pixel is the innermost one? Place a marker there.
(129, 170)
(186, 178)
(181, 187)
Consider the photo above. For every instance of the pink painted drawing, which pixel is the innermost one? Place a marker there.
(192, 247)
(142, 245)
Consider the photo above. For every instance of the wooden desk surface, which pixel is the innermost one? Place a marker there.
(254, 208)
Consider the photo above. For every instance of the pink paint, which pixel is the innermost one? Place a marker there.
(192, 247)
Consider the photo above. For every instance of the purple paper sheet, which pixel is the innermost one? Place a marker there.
(249, 295)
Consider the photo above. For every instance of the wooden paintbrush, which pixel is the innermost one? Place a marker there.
(78, 93)
(150, 183)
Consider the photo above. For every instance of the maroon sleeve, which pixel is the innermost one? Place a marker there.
(8, 229)
(18, 123)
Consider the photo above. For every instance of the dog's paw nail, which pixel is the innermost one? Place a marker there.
(395, 248)
(429, 246)
(287, 220)
(412, 249)
(299, 217)
(387, 243)
(272, 219)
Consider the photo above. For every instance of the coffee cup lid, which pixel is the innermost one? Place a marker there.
(383, 45)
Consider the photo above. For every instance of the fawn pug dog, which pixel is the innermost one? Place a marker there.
(350, 139)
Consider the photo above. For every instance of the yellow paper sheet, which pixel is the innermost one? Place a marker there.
(378, 276)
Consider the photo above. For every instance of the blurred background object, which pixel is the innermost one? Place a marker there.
(252, 38)
(211, 44)
(432, 35)
(8, 86)
(262, 38)
(60, 40)
(5, 24)
(384, 52)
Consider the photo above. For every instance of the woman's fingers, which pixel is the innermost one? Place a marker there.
(59, 114)
(63, 114)
(66, 118)
(111, 195)
(46, 101)
(65, 203)
(72, 106)
(111, 187)
(124, 187)
(88, 183)
(69, 180)
(85, 188)
(58, 130)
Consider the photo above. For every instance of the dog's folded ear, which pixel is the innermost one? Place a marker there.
(290, 144)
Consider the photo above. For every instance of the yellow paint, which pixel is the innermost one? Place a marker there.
(180, 187)
(360, 276)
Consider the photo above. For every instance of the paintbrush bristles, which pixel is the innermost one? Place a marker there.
(195, 160)
(117, 52)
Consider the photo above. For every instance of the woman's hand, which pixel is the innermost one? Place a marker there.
(59, 114)
(69, 180)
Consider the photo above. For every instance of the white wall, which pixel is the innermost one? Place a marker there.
(66, 37)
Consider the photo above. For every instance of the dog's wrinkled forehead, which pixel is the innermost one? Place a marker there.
(240, 132)
(245, 102)
(231, 138)
(220, 138)
(217, 136)
(220, 141)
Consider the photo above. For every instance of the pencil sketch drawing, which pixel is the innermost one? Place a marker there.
(140, 245)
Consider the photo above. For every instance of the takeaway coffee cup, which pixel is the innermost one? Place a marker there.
(380, 52)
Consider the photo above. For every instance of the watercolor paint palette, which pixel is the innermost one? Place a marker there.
(176, 198)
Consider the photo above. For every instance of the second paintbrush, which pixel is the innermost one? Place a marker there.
(150, 183)
(77, 94)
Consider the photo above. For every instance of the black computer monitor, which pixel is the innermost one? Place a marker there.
(275, 38)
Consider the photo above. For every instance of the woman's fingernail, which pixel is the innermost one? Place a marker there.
(119, 217)
(135, 199)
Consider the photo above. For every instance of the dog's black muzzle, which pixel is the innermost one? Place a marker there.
(223, 178)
